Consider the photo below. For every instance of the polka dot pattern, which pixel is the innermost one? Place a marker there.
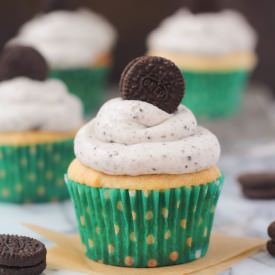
(34, 173)
(120, 226)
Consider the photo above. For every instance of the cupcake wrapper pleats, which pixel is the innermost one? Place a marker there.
(136, 228)
(86, 83)
(215, 94)
(34, 173)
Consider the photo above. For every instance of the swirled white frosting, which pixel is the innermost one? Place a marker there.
(27, 104)
(68, 38)
(130, 137)
(207, 33)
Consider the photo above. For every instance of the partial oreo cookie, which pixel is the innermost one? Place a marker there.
(205, 6)
(56, 5)
(21, 255)
(258, 185)
(16, 61)
(270, 246)
(155, 80)
(271, 231)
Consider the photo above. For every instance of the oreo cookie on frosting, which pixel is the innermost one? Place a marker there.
(16, 61)
(155, 80)
(21, 255)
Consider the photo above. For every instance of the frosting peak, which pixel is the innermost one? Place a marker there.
(131, 137)
(207, 33)
(27, 104)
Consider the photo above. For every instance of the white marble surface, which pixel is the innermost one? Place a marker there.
(243, 151)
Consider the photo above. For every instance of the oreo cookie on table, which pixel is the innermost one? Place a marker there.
(258, 185)
(205, 6)
(155, 80)
(21, 255)
(16, 61)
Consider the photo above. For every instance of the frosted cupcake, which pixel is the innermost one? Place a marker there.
(145, 182)
(77, 45)
(38, 120)
(216, 53)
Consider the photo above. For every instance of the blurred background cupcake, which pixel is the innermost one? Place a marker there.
(215, 50)
(77, 44)
(38, 120)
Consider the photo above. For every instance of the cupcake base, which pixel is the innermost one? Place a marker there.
(145, 228)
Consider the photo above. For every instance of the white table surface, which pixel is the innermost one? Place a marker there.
(249, 145)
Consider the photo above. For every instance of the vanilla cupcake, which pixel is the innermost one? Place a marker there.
(145, 182)
(38, 120)
(77, 44)
(215, 51)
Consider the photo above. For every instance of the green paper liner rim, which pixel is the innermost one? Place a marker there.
(215, 94)
(87, 83)
(145, 228)
(34, 173)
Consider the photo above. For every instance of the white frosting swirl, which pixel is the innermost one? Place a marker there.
(130, 137)
(68, 38)
(27, 104)
(207, 33)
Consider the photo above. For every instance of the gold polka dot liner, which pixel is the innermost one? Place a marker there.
(34, 173)
(141, 229)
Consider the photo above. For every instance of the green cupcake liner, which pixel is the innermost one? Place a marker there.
(34, 173)
(86, 83)
(215, 94)
(145, 228)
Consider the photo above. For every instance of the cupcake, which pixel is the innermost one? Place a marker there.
(77, 44)
(216, 52)
(38, 120)
(145, 182)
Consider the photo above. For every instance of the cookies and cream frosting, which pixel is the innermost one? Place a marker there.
(219, 33)
(68, 38)
(27, 104)
(132, 137)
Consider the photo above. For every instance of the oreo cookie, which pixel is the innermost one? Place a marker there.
(271, 231)
(155, 80)
(258, 185)
(270, 246)
(21, 255)
(56, 5)
(16, 61)
(205, 6)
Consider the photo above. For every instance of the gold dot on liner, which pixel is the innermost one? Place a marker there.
(150, 239)
(149, 215)
(174, 256)
(49, 175)
(60, 182)
(213, 208)
(48, 148)
(82, 220)
(2, 174)
(205, 233)
(117, 229)
(146, 193)
(32, 177)
(5, 193)
(133, 236)
(107, 194)
(178, 204)
(189, 242)
(167, 235)
(40, 164)
(18, 188)
(129, 261)
(91, 243)
(32, 150)
(183, 223)
(200, 221)
(134, 215)
(56, 158)
(164, 212)
(41, 191)
(111, 248)
(97, 230)
(23, 162)
(152, 263)
(119, 206)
